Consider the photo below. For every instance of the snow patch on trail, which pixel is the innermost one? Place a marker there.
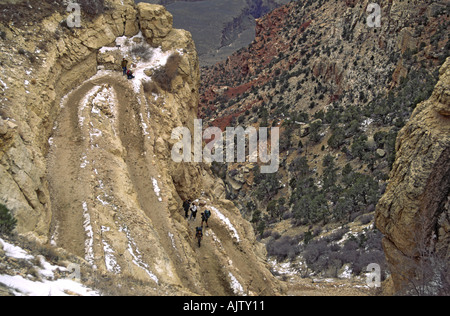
(235, 285)
(227, 222)
(156, 189)
(89, 243)
(110, 259)
(156, 57)
(84, 104)
(137, 256)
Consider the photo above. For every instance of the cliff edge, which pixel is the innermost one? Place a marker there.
(414, 213)
(85, 154)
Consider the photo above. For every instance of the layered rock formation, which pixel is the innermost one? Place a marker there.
(414, 213)
(85, 158)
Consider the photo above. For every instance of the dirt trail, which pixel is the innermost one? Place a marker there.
(78, 167)
(70, 176)
(101, 174)
(67, 181)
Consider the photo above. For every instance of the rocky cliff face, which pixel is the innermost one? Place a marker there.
(340, 91)
(85, 156)
(414, 212)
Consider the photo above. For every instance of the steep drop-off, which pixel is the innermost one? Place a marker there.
(414, 213)
(85, 154)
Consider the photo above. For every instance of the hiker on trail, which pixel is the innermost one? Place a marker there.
(194, 210)
(207, 215)
(205, 218)
(186, 207)
(124, 66)
(199, 235)
(130, 74)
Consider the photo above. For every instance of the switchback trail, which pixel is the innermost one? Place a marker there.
(71, 162)
(109, 204)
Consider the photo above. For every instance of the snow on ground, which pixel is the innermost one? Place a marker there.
(283, 268)
(226, 221)
(137, 256)
(14, 251)
(157, 189)
(110, 259)
(89, 243)
(4, 85)
(235, 285)
(21, 286)
(48, 286)
(157, 57)
(84, 104)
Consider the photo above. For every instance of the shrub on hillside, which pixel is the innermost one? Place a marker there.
(164, 75)
(7, 221)
(92, 7)
(143, 52)
(284, 247)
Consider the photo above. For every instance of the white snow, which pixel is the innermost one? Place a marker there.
(144, 125)
(5, 86)
(347, 273)
(110, 259)
(14, 252)
(84, 103)
(157, 189)
(137, 257)
(101, 201)
(89, 243)
(227, 222)
(25, 286)
(61, 287)
(172, 240)
(158, 58)
(235, 285)
(283, 268)
(84, 161)
(366, 123)
(95, 133)
(47, 268)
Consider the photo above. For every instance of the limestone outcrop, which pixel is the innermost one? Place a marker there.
(414, 213)
(85, 156)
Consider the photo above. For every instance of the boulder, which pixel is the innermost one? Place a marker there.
(156, 22)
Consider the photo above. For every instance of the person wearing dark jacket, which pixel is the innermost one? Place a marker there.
(124, 66)
(204, 219)
(186, 207)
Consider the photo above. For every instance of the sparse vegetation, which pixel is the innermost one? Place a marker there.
(92, 7)
(7, 221)
(164, 75)
(143, 52)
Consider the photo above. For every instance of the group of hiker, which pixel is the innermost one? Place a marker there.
(125, 69)
(192, 207)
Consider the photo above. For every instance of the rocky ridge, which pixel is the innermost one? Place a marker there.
(340, 91)
(85, 156)
(414, 213)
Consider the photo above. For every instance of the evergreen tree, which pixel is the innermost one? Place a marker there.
(7, 221)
